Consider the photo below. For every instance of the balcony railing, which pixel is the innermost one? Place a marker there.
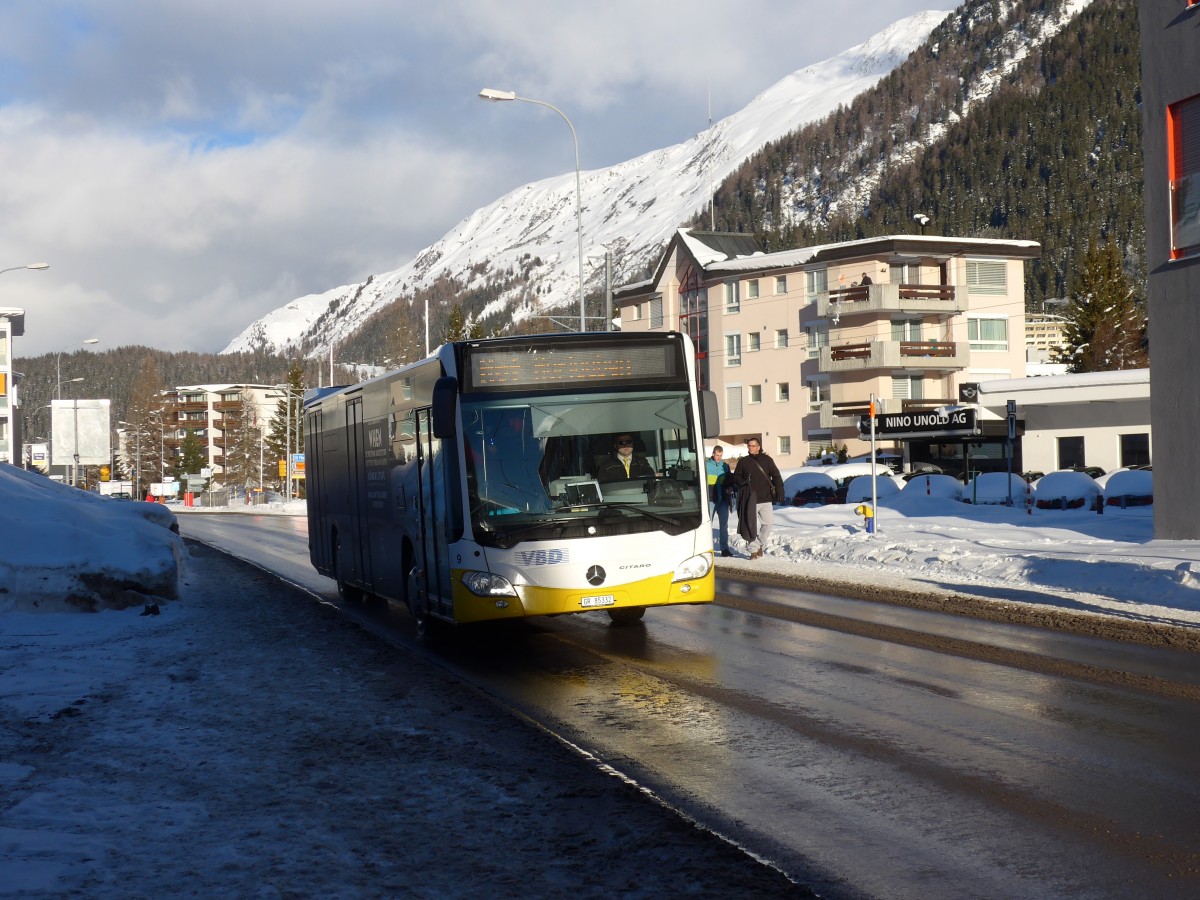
(942, 355)
(878, 298)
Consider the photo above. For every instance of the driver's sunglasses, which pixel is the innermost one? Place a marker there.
(624, 443)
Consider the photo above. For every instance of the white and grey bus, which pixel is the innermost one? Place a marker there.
(468, 486)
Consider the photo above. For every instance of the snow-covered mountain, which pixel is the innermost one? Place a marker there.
(631, 208)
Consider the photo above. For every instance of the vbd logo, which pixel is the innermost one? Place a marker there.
(543, 557)
(595, 575)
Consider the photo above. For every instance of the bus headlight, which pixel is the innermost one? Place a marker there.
(696, 567)
(485, 584)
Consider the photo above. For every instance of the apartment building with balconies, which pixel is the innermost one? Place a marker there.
(12, 324)
(796, 342)
(1045, 336)
(214, 413)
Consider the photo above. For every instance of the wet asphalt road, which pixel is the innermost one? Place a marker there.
(866, 750)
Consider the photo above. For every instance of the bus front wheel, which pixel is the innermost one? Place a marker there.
(627, 615)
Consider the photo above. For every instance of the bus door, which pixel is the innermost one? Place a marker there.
(318, 503)
(358, 551)
(434, 515)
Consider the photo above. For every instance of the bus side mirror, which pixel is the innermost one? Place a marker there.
(710, 415)
(445, 398)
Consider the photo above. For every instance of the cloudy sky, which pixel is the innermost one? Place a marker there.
(186, 166)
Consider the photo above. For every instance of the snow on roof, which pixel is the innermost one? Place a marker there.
(800, 256)
(1072, 380)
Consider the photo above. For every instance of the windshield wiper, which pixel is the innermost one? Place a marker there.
(612, 504)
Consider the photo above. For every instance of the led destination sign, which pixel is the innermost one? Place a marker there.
(923, 423)
(596, 363)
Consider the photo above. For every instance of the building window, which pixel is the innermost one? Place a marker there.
(908, 387)
(905, 273)
(733, 349)
(1135, 450)
(733, 300)
(817, 281)
(785, 445)
(781, 338)
(987, 334)
(906, 329)
(755, 393)
(752, 289)
(783, 392)
(1183, 174)
(632, 312)
(656, 311)
(753, 342)
(987, 276)
(781, 284)
(818, 337)
(818, 393)
(733, 401)
(1070, 452)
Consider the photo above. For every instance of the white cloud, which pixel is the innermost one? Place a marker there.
(180, 165)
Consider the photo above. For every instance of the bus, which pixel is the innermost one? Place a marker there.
(467, 486)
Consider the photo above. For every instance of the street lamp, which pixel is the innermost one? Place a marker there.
(495, 96)
(289, 393)
(58, 356)
(137, 467)
(37, 266)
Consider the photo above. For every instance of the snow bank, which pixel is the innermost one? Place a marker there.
(65, 548)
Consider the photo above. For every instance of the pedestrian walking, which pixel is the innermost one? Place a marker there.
(760, 486)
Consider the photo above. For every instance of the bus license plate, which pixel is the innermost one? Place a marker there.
(598, 600)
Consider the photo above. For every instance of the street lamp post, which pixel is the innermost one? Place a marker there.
(496, 96)
(75, 431)
(58, 361)
(288, 394)
(137, 466)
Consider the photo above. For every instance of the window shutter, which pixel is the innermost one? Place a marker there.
(986, 276)
(733, 401)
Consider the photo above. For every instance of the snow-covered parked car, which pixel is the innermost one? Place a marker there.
(844, 473)
(1066, 489)
(859, 489)
(1129, 487)
(934, 485)
(809, 486)
(995, 487)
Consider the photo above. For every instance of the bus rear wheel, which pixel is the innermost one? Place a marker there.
(627, 615)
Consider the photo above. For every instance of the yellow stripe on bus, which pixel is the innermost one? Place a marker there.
(544, 601)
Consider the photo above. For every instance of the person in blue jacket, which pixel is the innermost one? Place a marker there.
(720, 493)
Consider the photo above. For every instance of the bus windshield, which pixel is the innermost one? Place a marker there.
(586, 465)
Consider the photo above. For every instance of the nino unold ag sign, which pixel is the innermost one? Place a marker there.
(923, 423)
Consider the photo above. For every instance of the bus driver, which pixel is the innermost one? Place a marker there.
(623, 464)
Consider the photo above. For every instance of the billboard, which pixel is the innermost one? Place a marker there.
(80, 426)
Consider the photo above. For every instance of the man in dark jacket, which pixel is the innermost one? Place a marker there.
(623, 464)
(760, 486)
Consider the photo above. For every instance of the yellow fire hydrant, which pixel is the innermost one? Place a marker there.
(868, 514)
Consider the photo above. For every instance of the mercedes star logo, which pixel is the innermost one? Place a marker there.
(595, 575)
